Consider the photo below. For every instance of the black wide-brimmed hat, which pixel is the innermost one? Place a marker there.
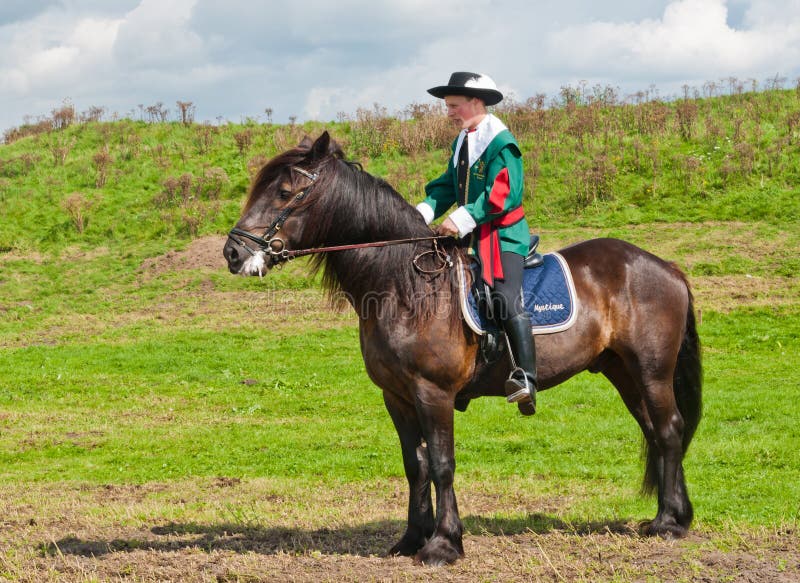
(471, 85)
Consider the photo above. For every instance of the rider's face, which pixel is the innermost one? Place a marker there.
(467, 112)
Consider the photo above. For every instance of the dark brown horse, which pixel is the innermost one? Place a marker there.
(636, 326)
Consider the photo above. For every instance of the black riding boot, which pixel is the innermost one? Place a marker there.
(521, 385)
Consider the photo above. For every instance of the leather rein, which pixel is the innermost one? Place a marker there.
(275, 247)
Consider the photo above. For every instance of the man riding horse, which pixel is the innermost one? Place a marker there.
(485, 180)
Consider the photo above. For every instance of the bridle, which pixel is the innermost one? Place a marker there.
(275, 247)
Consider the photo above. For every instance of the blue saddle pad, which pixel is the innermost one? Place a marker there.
(549, 295)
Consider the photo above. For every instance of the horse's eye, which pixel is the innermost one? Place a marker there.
(284, 194)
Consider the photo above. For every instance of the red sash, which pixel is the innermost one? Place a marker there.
(489, 244)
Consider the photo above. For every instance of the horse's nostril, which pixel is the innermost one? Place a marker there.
(231, 255)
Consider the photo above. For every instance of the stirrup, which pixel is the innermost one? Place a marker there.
(518, 390)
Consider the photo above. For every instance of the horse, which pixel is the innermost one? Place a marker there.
(636, 327)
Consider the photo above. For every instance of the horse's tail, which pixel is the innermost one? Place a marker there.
(687, 384)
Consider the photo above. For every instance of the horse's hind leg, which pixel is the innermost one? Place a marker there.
(651, 401)
(415, 461)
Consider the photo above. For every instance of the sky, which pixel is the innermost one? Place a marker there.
(321, 59)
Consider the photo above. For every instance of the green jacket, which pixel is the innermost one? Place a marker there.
(488, 199)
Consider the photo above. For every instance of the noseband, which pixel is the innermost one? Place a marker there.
(274, 246)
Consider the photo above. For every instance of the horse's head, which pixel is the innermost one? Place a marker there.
(280, 198)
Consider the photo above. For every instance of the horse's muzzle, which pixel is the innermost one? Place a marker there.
(235, 254)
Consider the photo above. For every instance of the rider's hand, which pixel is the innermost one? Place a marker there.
(448, 228)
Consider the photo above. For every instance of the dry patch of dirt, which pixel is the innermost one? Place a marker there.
(691, 243)
(72, 253)
(286, 310)
(228, 529)
(716, 293)
(273, 309)
(729, 292)
(17, 255)
(202, 253)
(670, 240)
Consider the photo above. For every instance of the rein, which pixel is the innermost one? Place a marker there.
(275, 247)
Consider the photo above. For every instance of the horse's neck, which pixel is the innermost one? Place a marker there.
(391, 218)
(380, 272)
(367, 272)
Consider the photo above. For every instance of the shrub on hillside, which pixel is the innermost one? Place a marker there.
(42, 126)
(205, 137)
(244, 140)
(64, 116)
(77, 206)
(180, 191)
(594, 181)
(60, 149)
(102, 161)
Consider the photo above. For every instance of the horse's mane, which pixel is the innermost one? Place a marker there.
(348, 205)
(368, 209)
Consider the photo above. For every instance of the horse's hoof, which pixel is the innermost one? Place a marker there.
(664, 529)
(406, 547)
(438, 552)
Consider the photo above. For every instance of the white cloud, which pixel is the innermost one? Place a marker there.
(51, 62)
(692, 39)
(316, 58)
(323, 99)
(392, 89)
(13, 81)
(767, 14)
(155, 35)
(94, 37)
(50, 53)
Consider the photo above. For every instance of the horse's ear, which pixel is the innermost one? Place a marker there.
(321, 147)
(305, 143)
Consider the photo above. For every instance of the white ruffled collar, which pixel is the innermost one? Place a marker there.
(480, 138)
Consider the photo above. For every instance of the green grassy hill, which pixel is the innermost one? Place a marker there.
(590, 160)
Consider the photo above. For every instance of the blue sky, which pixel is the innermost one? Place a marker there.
(315, 59)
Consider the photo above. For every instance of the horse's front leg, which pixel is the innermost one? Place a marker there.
(415, 462)
(435, 411)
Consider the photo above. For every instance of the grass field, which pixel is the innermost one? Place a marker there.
(163, 420)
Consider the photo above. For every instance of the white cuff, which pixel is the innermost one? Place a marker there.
(426, 211)
(463, 221)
